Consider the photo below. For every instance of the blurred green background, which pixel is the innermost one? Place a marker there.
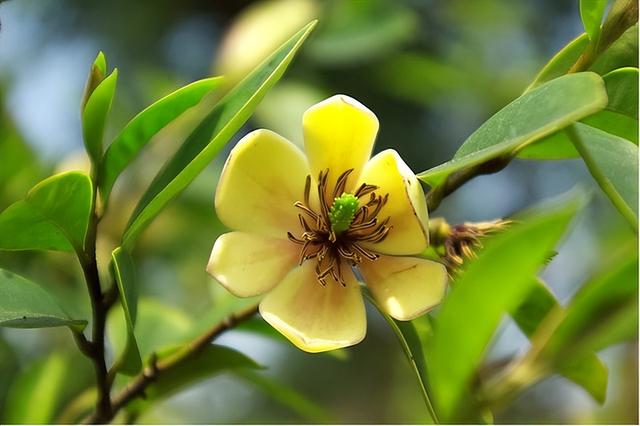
(432, 71)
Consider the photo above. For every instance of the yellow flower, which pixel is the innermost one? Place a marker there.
(304, 223)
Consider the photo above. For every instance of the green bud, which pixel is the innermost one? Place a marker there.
(342, 212)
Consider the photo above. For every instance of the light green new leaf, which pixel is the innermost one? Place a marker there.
(286, 396)
(491, 285)
(35, 394)
(227, 116)
(534, 115)
(588, 370)
(94, 116)
(97, 73)
(622, 53)
(23, 228)
(622, 88)
(135, 135)
(125, 275)
(613, 163)
(56, 209)
(561, 62)
(24, 304)
(591, 12)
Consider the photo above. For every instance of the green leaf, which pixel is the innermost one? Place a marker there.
(286, 396)
(538, 303)
(622, 53)
(94, 116)
(137, 133)
(35, 394)
(591, 12)
(125, 275)
(227, 116)
(588, 370)
(412, 344)
(56, 209)
(23, 228)
(494, 283)
(24, 304)
(603, 312)
(158, 327)
(615, 123)
(208, 362)
(534, 115)
(613, 163)
(622, 88)
(561, 62)
(558, 146)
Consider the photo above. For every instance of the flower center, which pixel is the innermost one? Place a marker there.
(342, 212)
(336, 232)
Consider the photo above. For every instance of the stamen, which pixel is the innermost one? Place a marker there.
(341, 183)
(333, 233)
(307, 190)
(364, 190)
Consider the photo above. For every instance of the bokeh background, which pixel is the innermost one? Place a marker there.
(432, 71)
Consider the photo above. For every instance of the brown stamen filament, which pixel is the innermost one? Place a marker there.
(319, 241)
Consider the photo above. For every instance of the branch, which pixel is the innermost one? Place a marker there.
(100, 310)
(137, 387)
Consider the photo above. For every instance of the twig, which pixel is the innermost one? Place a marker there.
(136, 388)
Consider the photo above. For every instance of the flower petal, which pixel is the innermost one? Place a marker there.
(314, 317)
(262, 178)
(249, 264)
(339, 133)
(406, 206)
(405, 287)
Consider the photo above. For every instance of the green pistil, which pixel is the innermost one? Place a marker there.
(342, 212)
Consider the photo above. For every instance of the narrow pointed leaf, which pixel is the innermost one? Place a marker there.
(536, 114)
(603, 312)
(97, 73)
(412, 344)
(94, 116)
(36, 393)
(587, 371)
(24, 304)
(591, 12)
(613, 163)
(55, 210)
(137, 133)
(226, 118)
(561, 62)
(622, 88)
(124, 271)
(493, 284)
(622, 53)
